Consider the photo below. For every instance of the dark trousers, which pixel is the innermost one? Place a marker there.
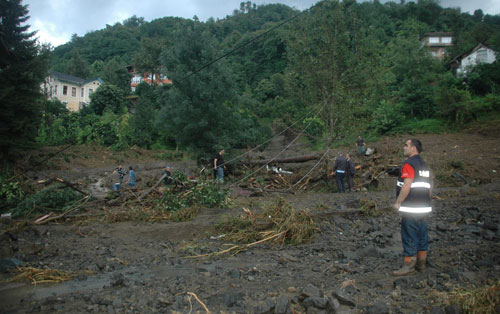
(350, 184)
(414, 234)
(340, 181)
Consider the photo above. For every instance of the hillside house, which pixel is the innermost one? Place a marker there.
(72, 91)
(437, 43)
(138, 78)
(478, 55)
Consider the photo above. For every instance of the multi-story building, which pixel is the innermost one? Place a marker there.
(478, 55)
(72, 91)
(437, 43)
(138, 78)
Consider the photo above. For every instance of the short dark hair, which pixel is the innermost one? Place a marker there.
(415, 142)
(130, 168)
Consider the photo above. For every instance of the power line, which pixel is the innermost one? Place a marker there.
(245, 44)
(276, 156)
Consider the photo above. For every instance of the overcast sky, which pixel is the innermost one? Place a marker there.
(57, 20)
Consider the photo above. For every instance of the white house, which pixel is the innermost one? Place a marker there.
(72, 91)
(479, 55)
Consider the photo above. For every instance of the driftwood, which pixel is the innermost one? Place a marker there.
(44, 221)
(283, 160)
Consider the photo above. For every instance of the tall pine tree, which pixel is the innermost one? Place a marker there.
(22, 69)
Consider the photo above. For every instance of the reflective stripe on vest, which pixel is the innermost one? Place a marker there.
(340, 171)
(421, 185)
(415, 210)
(415, 184)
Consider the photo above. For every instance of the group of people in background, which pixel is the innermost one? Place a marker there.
(344, 169)
(121, 175)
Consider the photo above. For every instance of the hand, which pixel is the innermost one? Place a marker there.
(397, 205)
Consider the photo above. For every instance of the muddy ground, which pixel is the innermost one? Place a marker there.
(144, 267)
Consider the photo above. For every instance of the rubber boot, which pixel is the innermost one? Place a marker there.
(421, 260)
(408, 266)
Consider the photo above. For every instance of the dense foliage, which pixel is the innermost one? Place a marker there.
(339, 69)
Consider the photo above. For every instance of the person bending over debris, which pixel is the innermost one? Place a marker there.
(414, 203)
(131, 177)
(167, 176)
(339, 169)
(219, 166)
(121, 173)
(360, 144)
(351, 171)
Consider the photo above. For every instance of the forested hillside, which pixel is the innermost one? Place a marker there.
(334, 71)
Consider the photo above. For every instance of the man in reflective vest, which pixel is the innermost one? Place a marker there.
(414, 203)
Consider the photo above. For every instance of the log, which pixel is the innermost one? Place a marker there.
(151, 189)
(283, 160)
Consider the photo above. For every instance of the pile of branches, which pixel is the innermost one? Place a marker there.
(279, 224)
(277, 182)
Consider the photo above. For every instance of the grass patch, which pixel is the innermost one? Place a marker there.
(432, 126)
(479, 300)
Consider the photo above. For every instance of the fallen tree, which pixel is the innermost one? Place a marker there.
(283, 160)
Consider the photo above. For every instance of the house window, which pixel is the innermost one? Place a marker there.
(90, 91)
(433, 40)
(446, 40)
(65, 90)
(73, 91)
(55, 89)
(83, 93)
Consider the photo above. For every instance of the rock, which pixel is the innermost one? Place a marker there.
(471, 212)
(333, 305)
(396, 293)
(6, 264)
(117, 303)
(265, 307)
(452, 309)
(441, 227)
(343, 298)
(402, 282)
(436, 310)
(231, 299)
(309, 291)
(488, 235)
(316, 302)
(490, 225)
(377, 308)
(117, 279)
(282, 305)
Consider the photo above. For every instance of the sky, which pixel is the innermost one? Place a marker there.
(57, 20)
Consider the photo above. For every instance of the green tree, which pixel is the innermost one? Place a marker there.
(23, 65)
(107, 98)
(77, 66)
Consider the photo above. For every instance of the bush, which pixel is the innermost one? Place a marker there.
(54, 198)
(314, 127)
(10, 192)
(204, 194)
(385, 118)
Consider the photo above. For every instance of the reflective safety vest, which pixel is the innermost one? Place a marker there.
(418, 200)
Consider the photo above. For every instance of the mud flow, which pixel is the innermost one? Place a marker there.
(119, 264)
